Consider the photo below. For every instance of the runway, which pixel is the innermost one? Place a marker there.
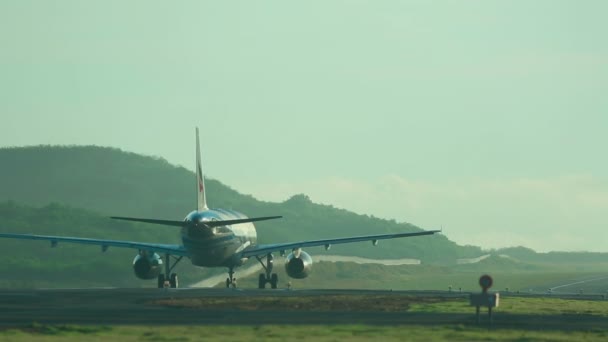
(137, 307)
(20, 308)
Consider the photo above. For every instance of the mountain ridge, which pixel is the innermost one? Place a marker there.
(71, 191)
(113, 182)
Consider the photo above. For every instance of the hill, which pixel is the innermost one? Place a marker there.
(112, 182)
(36, 264)
(71, 191)
(582, 260)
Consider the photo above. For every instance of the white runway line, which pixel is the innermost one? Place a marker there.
(577, 283)
(249, 270)
(358, 260)
(473, 260)
(220, 278)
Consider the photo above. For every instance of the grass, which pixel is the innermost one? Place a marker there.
(343, 303)
(529, 306)
(542, 308)
(319, 333)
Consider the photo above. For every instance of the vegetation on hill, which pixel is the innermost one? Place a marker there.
(29, 263)
(112, 182)
(529, 255)
(43, 188)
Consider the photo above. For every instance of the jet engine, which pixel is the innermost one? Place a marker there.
(298, 264)
(147, 265)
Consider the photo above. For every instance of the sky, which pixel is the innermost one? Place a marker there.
(485, 117)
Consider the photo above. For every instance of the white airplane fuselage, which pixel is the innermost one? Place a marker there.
(218, 246)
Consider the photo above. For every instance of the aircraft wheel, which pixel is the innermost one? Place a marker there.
(262, 281)
(174, 281)
(227, 283)
(274, 280)
(161, 281)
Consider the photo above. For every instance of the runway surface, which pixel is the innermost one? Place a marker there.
(256, 267)
(144, 307)
(135, 306)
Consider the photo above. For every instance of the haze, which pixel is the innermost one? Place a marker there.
(486, 117)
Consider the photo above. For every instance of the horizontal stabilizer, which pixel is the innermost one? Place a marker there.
(153, 221)
(237, 221)
(209, 224)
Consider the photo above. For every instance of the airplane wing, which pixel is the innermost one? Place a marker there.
(258, 250)
(161, 248)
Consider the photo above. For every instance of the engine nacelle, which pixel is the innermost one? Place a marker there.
(147, 265)
(298, 264)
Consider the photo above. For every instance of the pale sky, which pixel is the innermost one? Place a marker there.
(488, 118)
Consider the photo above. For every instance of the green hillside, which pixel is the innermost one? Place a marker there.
(29, 263)
(579, 258)
(71, 191)
(112, 182)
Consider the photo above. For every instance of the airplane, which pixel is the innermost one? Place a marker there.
(214, 238)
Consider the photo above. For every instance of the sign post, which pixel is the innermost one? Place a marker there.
(489, 300)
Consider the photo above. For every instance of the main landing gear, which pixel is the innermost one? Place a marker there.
(169, 279)
(273, 279)
(231, 280)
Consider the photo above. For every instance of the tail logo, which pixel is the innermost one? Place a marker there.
(201, 186)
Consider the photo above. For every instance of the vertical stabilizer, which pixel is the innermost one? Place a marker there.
(201, 199)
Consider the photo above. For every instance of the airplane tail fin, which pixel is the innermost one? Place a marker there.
(201, 199)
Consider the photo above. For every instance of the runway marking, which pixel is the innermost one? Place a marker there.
(577, 283)
(217, 279)
(245, 272)
(359, 260)
(472, 260)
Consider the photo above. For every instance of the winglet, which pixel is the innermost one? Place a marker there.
(200, 181)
